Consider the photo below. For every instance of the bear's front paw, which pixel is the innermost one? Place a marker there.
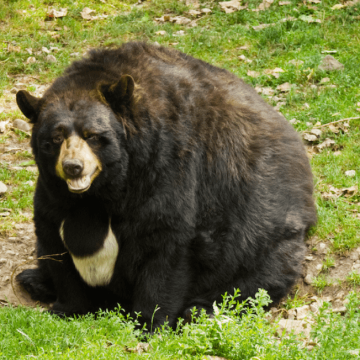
(39, 287)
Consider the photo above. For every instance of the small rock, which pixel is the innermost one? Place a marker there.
(51, 58)
(318, 267)
(302, 312)
(354, 256)
(3, 188)
(206, 11)
(341, 309)
(324, 80)
(21, 125)
(309, 258)
(350, 173)
(329, 63)
(308, 279)
(314, 307)
(30, 182)
(291, 314)
(297, 326)
(322, 249)
(356, 266)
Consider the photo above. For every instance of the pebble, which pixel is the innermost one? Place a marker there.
(355, 256)
(298, 326)
(21, 125)
(308, 279)
(350, 173)
(302, 312)
(322, 248)
(3, 188)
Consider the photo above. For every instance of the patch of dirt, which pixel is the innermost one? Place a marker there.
(17, 253)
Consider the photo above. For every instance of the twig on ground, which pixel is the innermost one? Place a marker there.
(334, 122)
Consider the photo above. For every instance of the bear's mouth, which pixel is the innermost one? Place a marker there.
(82, 183)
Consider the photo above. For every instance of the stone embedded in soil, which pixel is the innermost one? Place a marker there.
(329, 63)
(3, 188)
(302, 312)
(298, 326)
(21, 125)
(322, 248)
(308, 279)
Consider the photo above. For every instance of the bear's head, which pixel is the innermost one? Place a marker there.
(77, 136)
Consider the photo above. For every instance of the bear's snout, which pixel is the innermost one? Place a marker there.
(73, 167)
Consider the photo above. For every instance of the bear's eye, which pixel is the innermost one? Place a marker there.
(58, 139)
(93, 137)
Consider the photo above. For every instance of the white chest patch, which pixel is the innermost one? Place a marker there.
(97, 269)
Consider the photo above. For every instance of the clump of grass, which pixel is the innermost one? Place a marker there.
(353, 278)
(320, 282)
(328, 263)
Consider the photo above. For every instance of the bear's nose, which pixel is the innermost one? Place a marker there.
(73, 167)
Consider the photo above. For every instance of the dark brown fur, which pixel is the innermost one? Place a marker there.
(208, 187)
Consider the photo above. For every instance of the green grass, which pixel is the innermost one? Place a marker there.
(28, 333)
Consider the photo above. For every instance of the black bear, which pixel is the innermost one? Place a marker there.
(163, 182)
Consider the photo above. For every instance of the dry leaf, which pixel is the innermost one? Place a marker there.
(338, 6)
(296, 62)
(284, 87)
(194, 12)
(85, 14)
(268, 91)
(350, 173)
(45, 50)
(12, 48)
(3, 125)
(358, 104)
(329, 52)
(245, 47)
(51, 58)
(274, 72)
(262, 26)
(310, 137)
(206, 11)
(309, 19)
(231, 6)
(316, 132)
(327, 143)
(29, 51)
(333, 129)
(279, 105)
(314, 1)
(181, 20)
(57, 13)
(244, 58)
(140, 348)
(180, 33)
(253, 74)
(30, 60)
(324, 80)
(335, 193)
(282, 3)
(161, 32)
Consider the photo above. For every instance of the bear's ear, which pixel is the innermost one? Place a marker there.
(28, 104)
(119, 93)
